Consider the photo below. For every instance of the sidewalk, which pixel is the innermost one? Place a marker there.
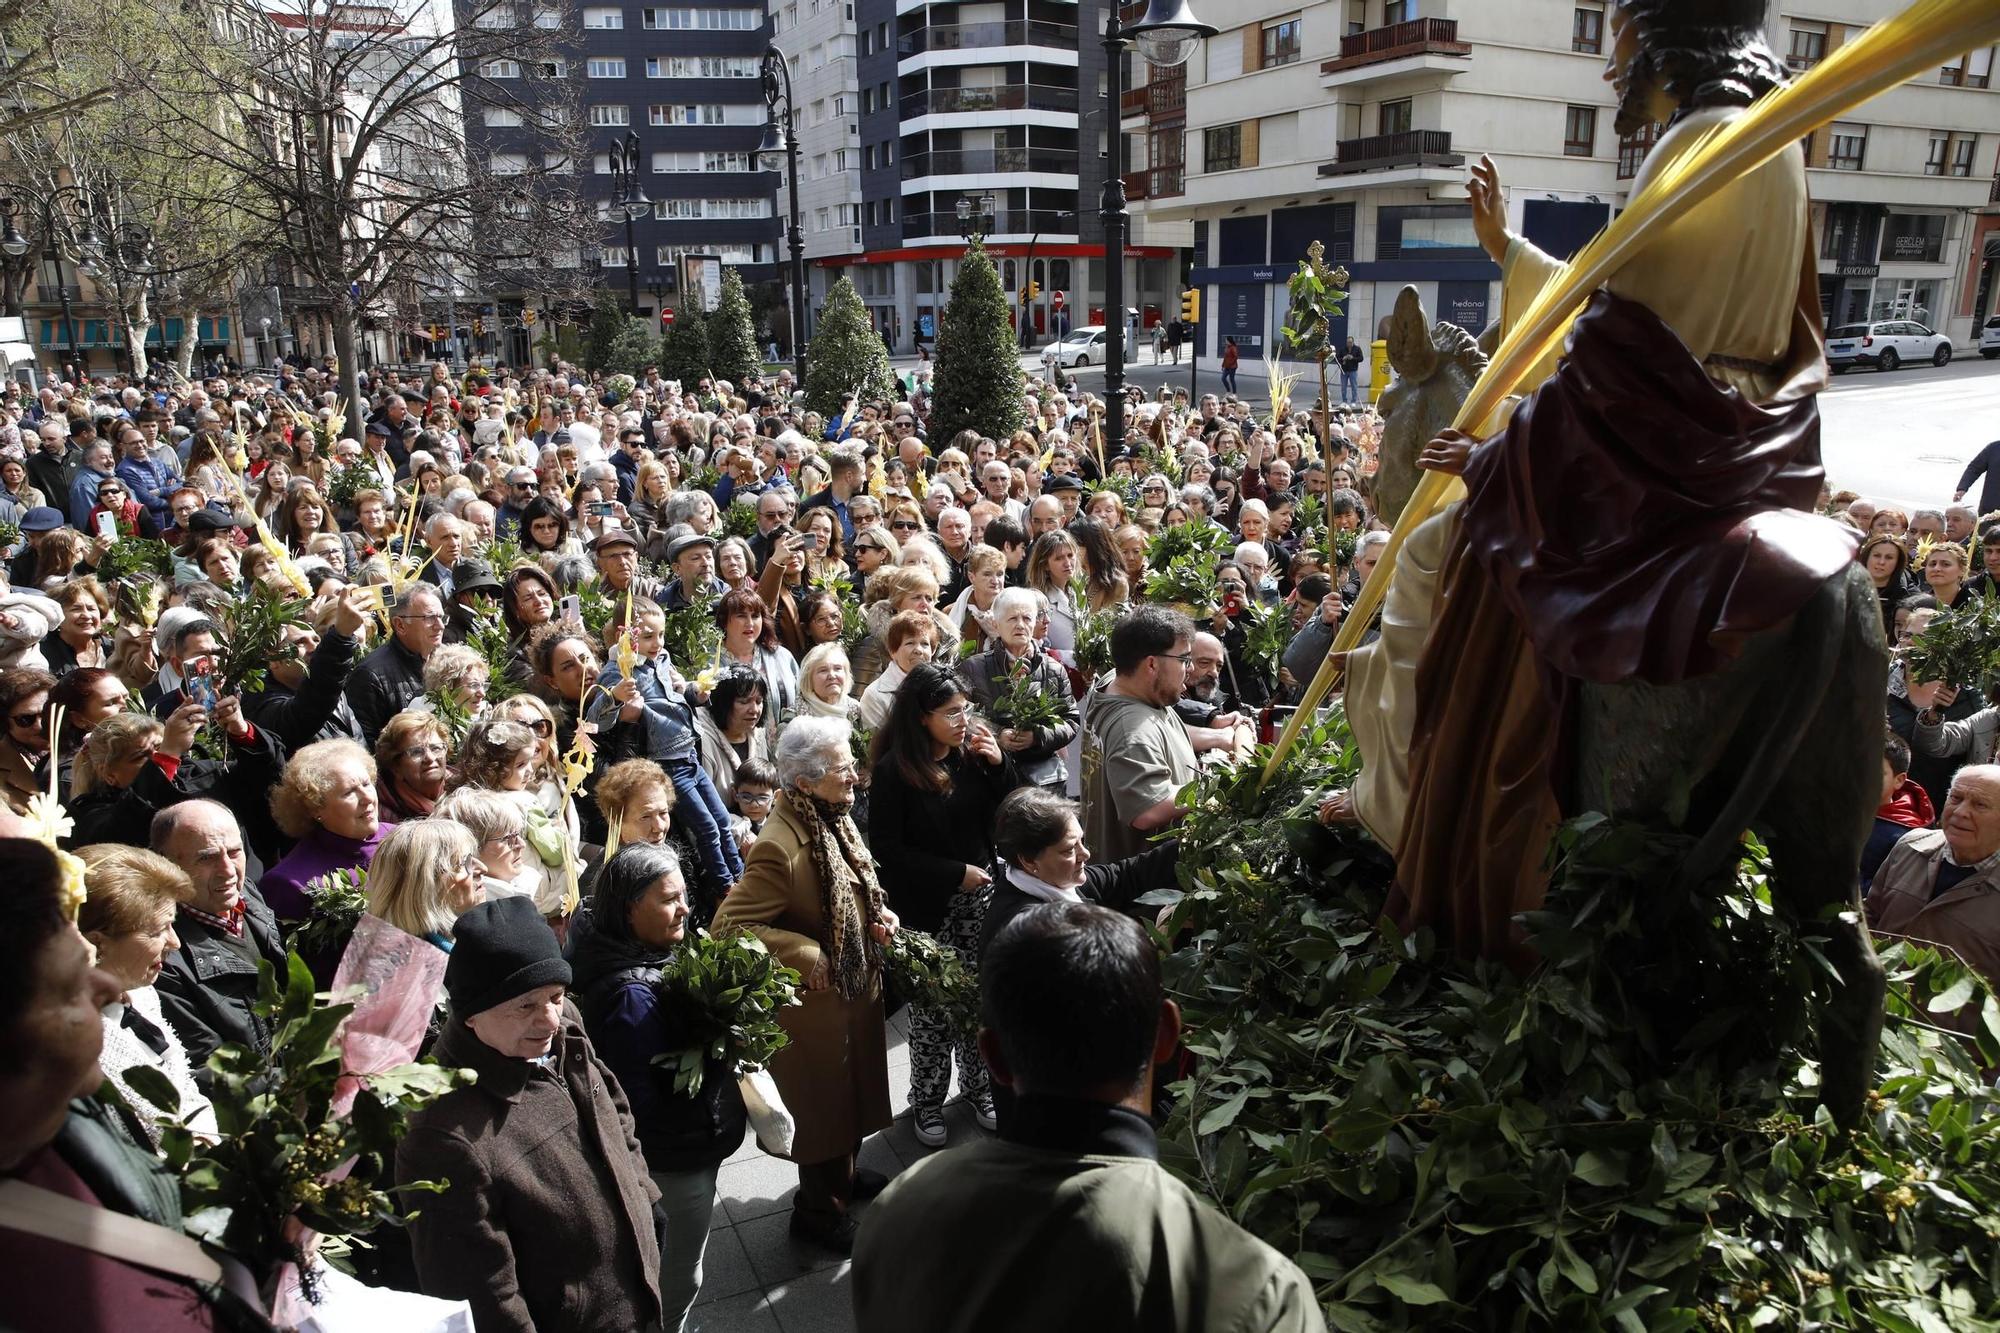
(756, 1278)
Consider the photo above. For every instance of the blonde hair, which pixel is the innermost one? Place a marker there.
(128, 889)
(451, 665)
(117, 739)
(406, 879)
(308, 780)
(893, 583)
(984, 559)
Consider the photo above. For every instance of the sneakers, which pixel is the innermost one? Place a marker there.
(928, 1123)
(982, 1111)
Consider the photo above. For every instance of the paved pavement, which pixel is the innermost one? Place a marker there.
(756, 1278)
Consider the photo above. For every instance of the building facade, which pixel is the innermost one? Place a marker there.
(1353, 123)
(818, 41)
(686, 80)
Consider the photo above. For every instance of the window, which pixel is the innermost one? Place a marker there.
(1808, 45)
(1425, 231)
(1632, 150)
(611, 115)
(1222, 148)
(680, 210)
(501, 69)
(1580, 131)
(1912, 238)
(614, 256)
(1394, 118)
(603, 18)
(1281, 42)
(1939, 154)
(1395, 11)
(1849, 147)
(867, 100)
(707, 20)
(605, 67)
(1586, 31)
(558, 164)
(494, 18)
(1963, 150)
(601, 164)
(501, 117)
(548, 19)
(507, 164)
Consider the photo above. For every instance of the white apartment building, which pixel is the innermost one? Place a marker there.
(817, 38)
(1353, 122)
(1903, 187)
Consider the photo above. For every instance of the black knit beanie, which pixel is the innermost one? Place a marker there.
(501, 949)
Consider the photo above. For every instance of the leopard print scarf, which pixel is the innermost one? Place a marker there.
(850, 897)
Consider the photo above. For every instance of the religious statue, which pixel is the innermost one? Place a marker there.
(1436, 366)
(1632, 611)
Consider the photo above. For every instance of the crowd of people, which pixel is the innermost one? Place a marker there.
(549, 669)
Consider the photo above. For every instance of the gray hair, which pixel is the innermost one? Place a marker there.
(1010, 597)
(683, 505)
(488, 814)
(1375, 538)
(809, 748)
(1194, 493)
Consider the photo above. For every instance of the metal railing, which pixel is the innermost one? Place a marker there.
(1388, 150)
(970, 161)
(976, 101)
(1006, 222)
(971, 36)
(1396, 40)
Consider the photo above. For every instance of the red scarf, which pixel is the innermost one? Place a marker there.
(1910, 807)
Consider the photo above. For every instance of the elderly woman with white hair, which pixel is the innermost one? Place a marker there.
(1015, 666)
(809, 892)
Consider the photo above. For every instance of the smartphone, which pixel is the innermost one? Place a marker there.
(570, 608)
(814, 539)
(201, 690)
(107, 526)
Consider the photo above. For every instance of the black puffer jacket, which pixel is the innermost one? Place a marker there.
(615, 984)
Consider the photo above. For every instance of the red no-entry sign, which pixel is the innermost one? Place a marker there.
(1056, 298)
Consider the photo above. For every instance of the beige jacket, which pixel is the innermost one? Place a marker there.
(1965, 918)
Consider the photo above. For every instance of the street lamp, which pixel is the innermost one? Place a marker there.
(975, 216)
(631, 203)
(64, 198)
(1166, 35)
(781, 139)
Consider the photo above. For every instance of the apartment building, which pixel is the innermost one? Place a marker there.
(686, 79)
(1001, 105)
(818, 40)
(1903, 189)
(1353, 122)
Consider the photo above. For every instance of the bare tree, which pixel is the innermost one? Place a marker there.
(350, 144)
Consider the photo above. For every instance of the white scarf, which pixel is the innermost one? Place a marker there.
(1040, 889)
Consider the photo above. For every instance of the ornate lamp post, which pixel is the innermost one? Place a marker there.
(631, 203)
(64, 199)
(1166, 35)
(781, 139)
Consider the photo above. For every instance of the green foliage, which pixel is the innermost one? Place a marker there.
(10, 535)
(136, 557)
(722, 994)
(978, 376)
(253, 637)
(449, 707)
(595, 608)
(1960, 646)
(927, 973)
(1267, 632)
(503, 556)
(607, 322)
(740, 519)
(348, 482)
(1093, 640)
(845, 355)
(488, 637)
(1625, 1138)
(633, 348)
(1316, 299)
(691, 637)
(280, 1141)
(1181, 562)
(684, 348)
(1022, 704)
(334, 903)
(732, 339)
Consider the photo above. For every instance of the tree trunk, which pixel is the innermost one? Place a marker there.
(184, 349)
(346, 350)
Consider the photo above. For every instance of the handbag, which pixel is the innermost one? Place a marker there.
(770, 1121)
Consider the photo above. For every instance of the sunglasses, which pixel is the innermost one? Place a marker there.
(33, 720)
(867, 546)
(540, 726)
(905, 525)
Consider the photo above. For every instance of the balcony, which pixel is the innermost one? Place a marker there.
(1167, 98)
(1156, 182)
(1381, 152)
(1132, 102)
(1007, 222)
(989, 161)
(974, 36)
(1417, 46)
(979, 101)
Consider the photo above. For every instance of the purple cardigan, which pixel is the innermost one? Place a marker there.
(316, 854)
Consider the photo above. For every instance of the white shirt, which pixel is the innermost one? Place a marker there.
(1040, 889)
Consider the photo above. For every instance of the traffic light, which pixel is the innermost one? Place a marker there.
(478, 327)
(528, 315)
(1034, 289)
(1191, 306)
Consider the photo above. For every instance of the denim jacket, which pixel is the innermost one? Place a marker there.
(668, 718)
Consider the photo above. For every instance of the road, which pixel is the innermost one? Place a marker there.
(1901, 437)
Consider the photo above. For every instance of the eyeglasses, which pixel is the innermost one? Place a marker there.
(513, 840)
(958, 714)
(33, 720)
(752, 797)
(472, 865)
(424, 752)
(432, 619)
(1185, 659)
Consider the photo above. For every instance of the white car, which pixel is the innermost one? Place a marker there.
(1885, 345)
(1989, 339)
(1083, 347)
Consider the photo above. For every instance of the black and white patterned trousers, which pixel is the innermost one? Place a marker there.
(932, 1042)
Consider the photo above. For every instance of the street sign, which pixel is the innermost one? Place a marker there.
(1056, 298)
(667, 318)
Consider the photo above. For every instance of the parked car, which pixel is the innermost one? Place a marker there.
(1083, 347)
(1989, 339)
(1885, 345)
